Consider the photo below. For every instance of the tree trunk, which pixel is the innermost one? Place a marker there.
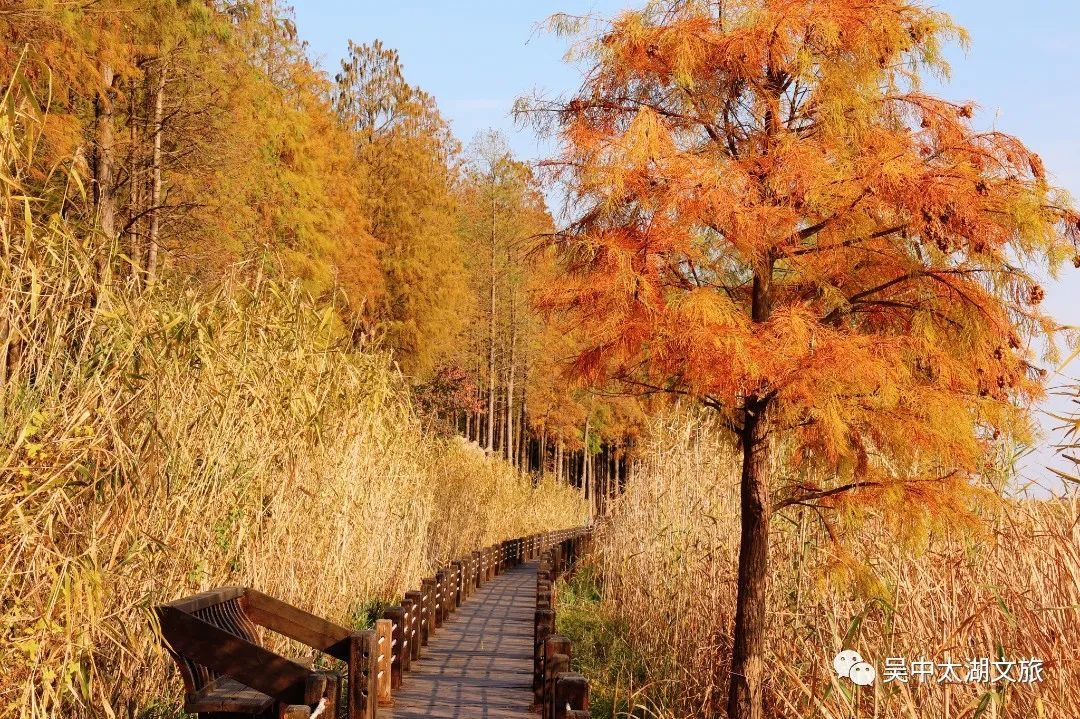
(510, 375)
(597, 484)
(491, 336)
(745, 697)
(746, 692)
(542, 459)
(601, 480)
(499, 438)
(103, 157)
(613, 462)
(558, 460)
(155, 186)
(476, 434)
(585, 469)
(618, 473)
(134, 185)
(523, 435)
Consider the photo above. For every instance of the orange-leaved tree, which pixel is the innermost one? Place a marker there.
(773, 218)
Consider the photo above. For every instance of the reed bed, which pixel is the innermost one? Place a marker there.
(155, 443)
(667, 557)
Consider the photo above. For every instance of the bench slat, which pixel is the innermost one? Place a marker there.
(228, 695)
(207, 599)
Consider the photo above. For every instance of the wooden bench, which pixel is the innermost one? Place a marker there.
(228, 672)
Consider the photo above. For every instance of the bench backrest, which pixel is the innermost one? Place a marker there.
(222, 608)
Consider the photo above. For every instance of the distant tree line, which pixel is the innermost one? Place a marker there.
(206, 140)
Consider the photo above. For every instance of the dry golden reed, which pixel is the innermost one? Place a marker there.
(158, 443)
(668, 554)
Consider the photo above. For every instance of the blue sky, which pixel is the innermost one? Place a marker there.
(477, 56)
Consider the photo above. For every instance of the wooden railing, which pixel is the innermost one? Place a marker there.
(227, 672)
(558, 693)
(406, 628)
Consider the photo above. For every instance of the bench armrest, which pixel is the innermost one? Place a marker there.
(248, 663)
(295, 623)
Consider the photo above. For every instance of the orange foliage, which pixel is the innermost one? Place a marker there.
(774, 219)
(788, 144)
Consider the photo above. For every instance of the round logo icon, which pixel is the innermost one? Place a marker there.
(862, 674)
(844, 661)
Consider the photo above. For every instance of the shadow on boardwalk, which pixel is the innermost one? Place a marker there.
(479, 664)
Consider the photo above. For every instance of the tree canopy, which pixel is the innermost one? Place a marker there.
(209, 144)
(773, 217)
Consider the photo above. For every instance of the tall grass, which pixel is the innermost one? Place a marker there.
(154, 445)
(667, 559)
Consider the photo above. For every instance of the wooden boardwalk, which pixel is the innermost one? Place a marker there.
(478, 665)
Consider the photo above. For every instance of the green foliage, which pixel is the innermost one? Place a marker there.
(600, 649)
(364, 615)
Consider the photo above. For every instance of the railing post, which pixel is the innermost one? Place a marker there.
(385, 661)
(362, 694)
(457, 591)
(557, 664)
(405, 641)
(543, 627)
(556, 659)
(397, 645)
(416, 619)
(547, 566)
(571, 696)
(319, 686)
(440, 597)
(427, 611)
(543, 593)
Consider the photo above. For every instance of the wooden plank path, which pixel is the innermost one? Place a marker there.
(495, 609)
(479, 664)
